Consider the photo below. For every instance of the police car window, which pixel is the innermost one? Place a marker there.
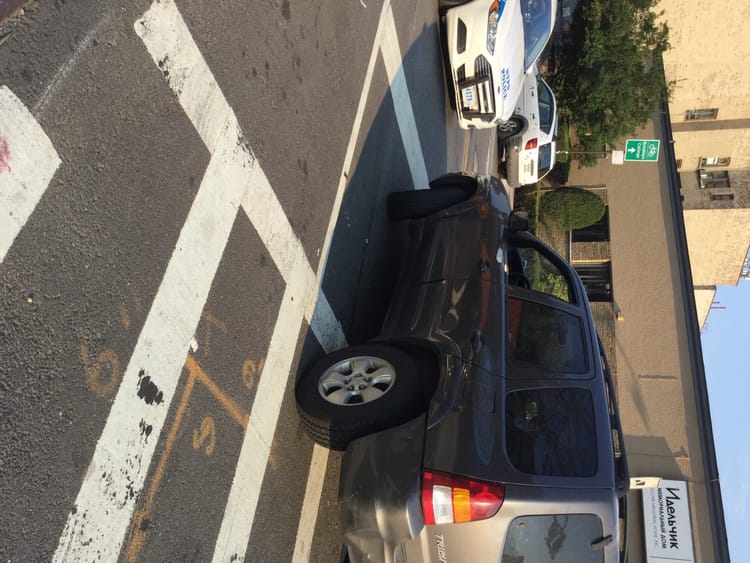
(545, 158)
(546, 114)
(537, 19)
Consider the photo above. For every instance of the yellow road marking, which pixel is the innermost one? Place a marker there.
(237, 413)
(94, 369)
(139, 527)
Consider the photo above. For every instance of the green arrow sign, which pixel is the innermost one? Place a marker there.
(642, 150)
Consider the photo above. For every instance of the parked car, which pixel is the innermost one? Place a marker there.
(490, 46)
(528, 140)
(481, 424)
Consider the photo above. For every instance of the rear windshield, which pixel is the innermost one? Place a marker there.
(550, 431)
(545, 336)
(545, 159)
(560, 538)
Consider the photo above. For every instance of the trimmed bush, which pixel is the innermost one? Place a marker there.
(571, 208)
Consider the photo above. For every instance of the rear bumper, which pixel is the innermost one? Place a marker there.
(379, 492)
(512, 173)
(522, 166)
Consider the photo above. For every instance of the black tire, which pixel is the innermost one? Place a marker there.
(509, 128)
(334, 425)
(413, 204)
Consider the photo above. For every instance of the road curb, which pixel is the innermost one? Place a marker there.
(9, 8)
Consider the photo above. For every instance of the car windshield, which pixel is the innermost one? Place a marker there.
(556, 538)
(545, 158)
(550, 431)
(537, 23)
(546, 106)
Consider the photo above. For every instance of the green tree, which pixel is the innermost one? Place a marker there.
(608, 78)
(571, 208)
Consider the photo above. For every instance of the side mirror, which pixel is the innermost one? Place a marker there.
(518, 221)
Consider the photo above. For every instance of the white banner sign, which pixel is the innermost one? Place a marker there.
(666, 520)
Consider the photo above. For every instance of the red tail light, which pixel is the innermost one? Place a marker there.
(531, 144)
(452, 499)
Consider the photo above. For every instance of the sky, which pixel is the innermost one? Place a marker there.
(726, 356)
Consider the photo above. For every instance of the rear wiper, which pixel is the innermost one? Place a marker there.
(601, 542)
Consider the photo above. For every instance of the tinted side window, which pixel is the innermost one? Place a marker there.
(551, 431)
(545, 336)
(546, 115)
(545, 159)
(559, 538)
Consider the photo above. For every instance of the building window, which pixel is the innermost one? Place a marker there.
(703, 113)
(722, 197)
(597, 279)
(717, 179)
(678, 162)
(598, 232)
(715, 161)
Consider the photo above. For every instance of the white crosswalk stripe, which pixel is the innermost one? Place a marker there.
(402, 103)
(107, 498)
(114, 481)
(116, 476)
(27, 163)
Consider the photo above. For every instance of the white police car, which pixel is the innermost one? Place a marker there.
(490, 46)
(528, 140)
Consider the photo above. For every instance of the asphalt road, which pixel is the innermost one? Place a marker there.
(192, 208)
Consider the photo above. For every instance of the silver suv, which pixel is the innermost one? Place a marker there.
(481, 424)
